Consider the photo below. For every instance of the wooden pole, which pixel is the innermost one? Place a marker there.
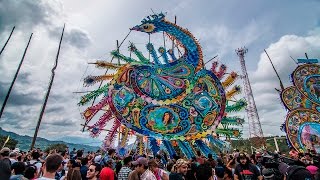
(281, 85)
(5, 44)
(48, 92)
(14, 78)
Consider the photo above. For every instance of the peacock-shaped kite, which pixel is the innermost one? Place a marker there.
(171, 99)
(302, 100)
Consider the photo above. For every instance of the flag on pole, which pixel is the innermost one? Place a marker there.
(6, 141)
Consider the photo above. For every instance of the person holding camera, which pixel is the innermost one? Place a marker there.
(245, 170)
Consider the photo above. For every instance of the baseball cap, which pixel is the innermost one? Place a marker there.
(313, 169)
(140, 160)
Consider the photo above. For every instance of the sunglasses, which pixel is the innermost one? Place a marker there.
(91, 170)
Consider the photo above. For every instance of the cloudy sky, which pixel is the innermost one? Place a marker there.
(284, 28)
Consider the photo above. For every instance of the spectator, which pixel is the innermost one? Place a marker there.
(159, 173)
(200, 158)
(211, 161)
(134, 175)
(35, 161)
(125, 170)
(93, 171)
(84, 168)
(245, 170)
(4, 155)
(13, 157)
(142, 169)
(52, 163)
(74, 174)
(107, 173)
(191, 173)
(204, 172)
(18, 169)
(60, 172)
(5, 170)
(30, 172)
(294, 172)
(179, 170)
(159, 161)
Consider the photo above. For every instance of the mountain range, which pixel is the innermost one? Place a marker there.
(24, 142)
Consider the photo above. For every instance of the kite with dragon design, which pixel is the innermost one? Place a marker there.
(171, 99)
(302, 100)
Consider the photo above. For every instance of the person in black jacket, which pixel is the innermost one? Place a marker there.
(245, 170)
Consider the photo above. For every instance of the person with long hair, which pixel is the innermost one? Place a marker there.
(74, 174)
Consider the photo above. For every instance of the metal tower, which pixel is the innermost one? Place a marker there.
(255, 130)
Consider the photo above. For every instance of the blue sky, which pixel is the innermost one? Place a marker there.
(284, 28)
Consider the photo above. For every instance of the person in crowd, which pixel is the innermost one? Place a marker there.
(200, 158)
(17, 170)
(158, 172)
(65, 155)
(294, 172)
(74, 174)
(143, 170)
(51, 165)
(73, 164)
(35, 161)
(13, 157)
(30, 172)
(231, 165)
(107, 172)
(5, 170)
(313, 170)
(159, 161)
(204, 172)
(125, 169)
(228, 175)
(118, 167)
(211, 161)
(307, 159)
(191, 173)
(93, 172)
(134, 175)
(60, 172)
(84, 168)
(245, 170)
(4, 155)
(179, 170)
(293, 153)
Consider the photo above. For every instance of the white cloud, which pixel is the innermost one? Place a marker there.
(93, 28)
(264, 80)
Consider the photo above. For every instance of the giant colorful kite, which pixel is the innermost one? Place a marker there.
(302, 101)
(168, 99)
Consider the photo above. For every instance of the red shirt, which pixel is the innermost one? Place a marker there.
(107, 174)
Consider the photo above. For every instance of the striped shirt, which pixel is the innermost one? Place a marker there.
(124, 173)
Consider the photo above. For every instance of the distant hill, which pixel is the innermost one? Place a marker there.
(25, 142)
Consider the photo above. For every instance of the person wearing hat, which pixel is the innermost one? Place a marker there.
(245, 170)
(294, 172)
(179, 170)
(142, 168)
(4, 155)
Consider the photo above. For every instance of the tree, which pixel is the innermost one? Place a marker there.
(58, 147)
(10, 144)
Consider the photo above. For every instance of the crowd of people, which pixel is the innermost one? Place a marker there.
(78, 165)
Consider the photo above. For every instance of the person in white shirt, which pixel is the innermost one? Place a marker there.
(51, 165)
